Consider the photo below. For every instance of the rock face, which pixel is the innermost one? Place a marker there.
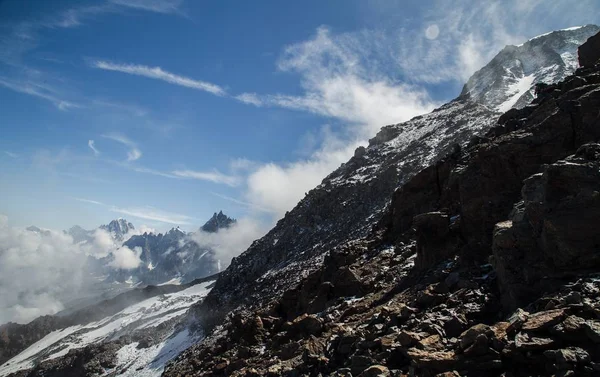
(507, 81)
(552, 234)
(523, 196)
(589, 52)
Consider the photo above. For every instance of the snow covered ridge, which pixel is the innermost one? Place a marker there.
(508, 80)
(164, 313)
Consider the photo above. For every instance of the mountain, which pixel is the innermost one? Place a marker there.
(507, 81)
(173, 256)
(79, 234)
(118, 228)
(484, 263)
(352, 199)
(218, 221)
(461, 242)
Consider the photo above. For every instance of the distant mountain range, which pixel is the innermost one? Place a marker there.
(173, 257)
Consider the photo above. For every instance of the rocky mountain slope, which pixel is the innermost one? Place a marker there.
(352, 199)
(507, 81)
(484, 264)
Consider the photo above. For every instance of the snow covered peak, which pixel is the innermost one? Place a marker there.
(508, 80)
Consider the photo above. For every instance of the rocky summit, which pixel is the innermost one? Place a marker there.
(484, 263)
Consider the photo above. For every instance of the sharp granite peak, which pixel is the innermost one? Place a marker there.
(218, 221)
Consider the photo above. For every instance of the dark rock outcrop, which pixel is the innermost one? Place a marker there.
(217, 221)
(552, 234)
(589, 52)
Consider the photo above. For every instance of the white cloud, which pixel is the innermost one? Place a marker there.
(38, 271)
(134, 153)
(250, 99)
(344, 77)
(158, 73)
(211, 176)
(93, 147)
(125, 258)
(11, 154)
(231, 242)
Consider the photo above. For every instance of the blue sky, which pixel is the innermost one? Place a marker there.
(164, 111)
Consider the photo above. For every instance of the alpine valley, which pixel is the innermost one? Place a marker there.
(462, 242)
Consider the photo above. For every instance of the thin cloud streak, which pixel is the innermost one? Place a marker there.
(213, 176)
(156, 6)
(89, 201)
(11, 154)
(146, 213)
(150, 213)
(39, 91)
(158, 73)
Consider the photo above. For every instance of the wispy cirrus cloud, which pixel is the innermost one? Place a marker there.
(92, 146)
(158, 73)
(211, 176)
(11, 154)
(154, 214)
(134, 153)
(39, 90)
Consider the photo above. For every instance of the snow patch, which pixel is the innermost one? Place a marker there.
(515, 91)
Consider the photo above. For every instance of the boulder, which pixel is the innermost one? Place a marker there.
(307, 324)
(375, 371)
(543, 320)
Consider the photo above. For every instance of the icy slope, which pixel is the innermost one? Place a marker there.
(139, 319)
